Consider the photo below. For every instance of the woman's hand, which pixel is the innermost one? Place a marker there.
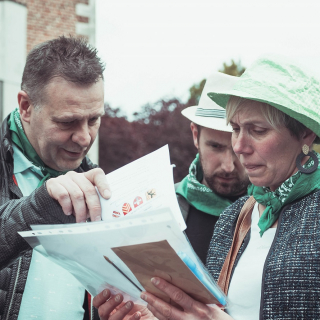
(192, 309)
(113, 308)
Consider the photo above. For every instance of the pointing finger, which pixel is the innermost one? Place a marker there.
(98, 178)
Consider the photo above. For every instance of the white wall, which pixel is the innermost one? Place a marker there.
(89, 30)
(13, 38)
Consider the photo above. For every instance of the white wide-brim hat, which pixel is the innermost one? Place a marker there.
(207, 113)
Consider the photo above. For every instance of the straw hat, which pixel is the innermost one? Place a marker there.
(208, 114)
(279, 82)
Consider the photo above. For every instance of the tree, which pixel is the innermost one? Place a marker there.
(195, 93)
(155, 125)
(234, 69)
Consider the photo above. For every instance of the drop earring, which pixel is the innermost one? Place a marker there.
(306, 152)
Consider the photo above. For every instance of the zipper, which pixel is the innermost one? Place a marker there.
(269, 253)
(14, 289)
(91, 309)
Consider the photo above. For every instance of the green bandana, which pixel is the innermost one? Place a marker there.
(295, 187)
(198, 195)
(20, 139)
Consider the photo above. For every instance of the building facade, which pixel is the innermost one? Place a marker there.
(25, 23)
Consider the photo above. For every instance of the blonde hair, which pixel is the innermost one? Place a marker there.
(274, 117)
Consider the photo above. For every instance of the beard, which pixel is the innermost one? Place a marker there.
(235, 187)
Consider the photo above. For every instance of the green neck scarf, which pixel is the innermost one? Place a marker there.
(198, 195)
(20, 139)
(295, 187)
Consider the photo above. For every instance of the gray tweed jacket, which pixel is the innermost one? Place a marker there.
(17, 213)
(291, 276)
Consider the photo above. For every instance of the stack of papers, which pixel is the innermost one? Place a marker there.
(140, 237)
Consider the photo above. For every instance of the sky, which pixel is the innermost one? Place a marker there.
(157, 49)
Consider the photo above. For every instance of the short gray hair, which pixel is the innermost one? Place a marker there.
(70, 58)
(275, 117)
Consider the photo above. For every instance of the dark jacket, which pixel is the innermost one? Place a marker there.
(200, 226)
(17, 213)
(291, 275)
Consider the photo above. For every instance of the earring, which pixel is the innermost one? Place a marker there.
(305, 149)
(306, 152)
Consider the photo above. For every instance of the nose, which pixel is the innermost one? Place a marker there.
(240, 143)
(227, 164)
(82, 136)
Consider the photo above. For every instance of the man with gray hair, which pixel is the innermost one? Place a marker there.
(216, 178)
(45, 176)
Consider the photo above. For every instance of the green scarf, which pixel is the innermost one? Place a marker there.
(198, 195)
(20, 139)
(295, 187)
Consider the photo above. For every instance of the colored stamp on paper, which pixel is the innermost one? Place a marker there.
(116, 214)
(137, 201)
(150, 194)
(126, 208)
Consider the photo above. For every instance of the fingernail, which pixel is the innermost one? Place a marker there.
(128, 305)
(117, 298)
(137, 315)
(105, 293)
(97, 218)
(69, 213)
(107, 193)
(155, 281)
(143, 296)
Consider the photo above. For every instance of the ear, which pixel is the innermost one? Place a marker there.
(195, 134)
(308, 137)
(25, 106)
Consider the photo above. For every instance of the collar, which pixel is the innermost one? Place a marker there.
(21, 163)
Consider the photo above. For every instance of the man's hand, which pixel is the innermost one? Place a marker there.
(191, 309)
(111, 307)
(76, 193)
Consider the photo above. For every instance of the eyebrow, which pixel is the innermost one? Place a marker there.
(211, 142)
(69, 117)
(248, 122)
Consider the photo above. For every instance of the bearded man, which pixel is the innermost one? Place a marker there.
(216, 178)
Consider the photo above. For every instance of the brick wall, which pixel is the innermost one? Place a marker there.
(49, 19)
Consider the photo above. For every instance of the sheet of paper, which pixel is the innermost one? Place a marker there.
(142, 185)
(81, 249)
(158, 259)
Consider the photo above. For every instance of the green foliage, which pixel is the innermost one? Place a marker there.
(113, 113)
(234, 69)
(195, 93)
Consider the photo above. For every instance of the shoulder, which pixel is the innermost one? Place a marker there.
(183, 203)
(223, 236)
(230, 215)
(304, 212)
(307, 205)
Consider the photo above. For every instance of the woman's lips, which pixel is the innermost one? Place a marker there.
(252, 167)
